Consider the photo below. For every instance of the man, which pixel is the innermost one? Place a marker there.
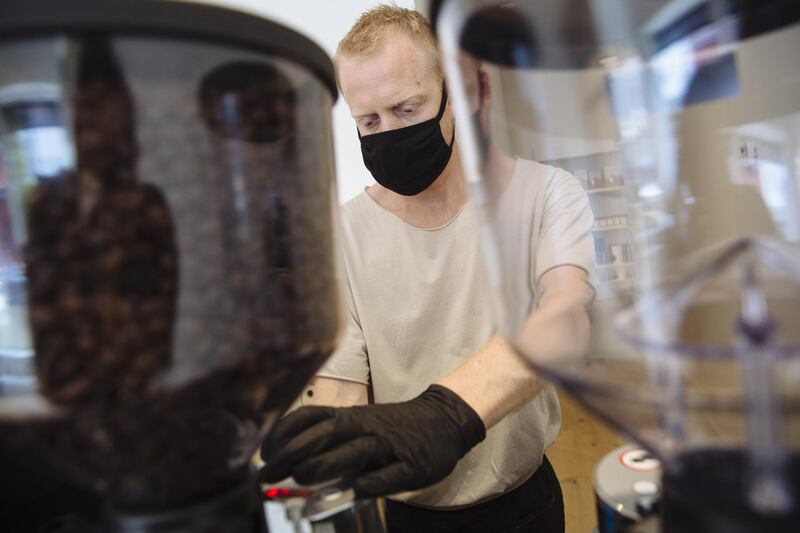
(418, 310)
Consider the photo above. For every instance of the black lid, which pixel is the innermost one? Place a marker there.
(561, 34)
(165, 18)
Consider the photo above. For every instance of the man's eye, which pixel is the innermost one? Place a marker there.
(407, 110)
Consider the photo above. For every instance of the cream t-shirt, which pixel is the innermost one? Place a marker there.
(418, 306)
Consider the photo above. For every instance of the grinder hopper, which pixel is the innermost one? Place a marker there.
(167, 272)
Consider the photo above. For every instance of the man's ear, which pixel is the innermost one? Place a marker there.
(484, 87)
(485, 97)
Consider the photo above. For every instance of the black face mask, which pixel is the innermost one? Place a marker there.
(408, 160)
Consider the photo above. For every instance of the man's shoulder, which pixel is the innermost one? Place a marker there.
(535, 168)
(535, 173)
(363, 220)
(546, 178)
(356, 208)
(531, 179)
(356, 202)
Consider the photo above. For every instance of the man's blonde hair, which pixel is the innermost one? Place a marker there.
(370, 30)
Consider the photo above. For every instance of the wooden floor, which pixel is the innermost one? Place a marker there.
(583, 441)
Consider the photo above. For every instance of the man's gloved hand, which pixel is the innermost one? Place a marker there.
(382, 449)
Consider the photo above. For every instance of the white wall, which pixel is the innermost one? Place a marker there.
(325, 22)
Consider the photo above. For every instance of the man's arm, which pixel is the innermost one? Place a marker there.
(388, 448)
(335, 392)
(496, 381)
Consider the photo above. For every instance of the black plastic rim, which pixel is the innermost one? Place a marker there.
(505, 37)
(19, 18)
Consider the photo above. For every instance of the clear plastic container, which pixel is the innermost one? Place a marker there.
(696, 106)
(168, 268)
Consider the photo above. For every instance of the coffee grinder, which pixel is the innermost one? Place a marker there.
(678, 122)
(168, 280)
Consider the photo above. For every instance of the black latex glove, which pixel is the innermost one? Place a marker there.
(382, 449)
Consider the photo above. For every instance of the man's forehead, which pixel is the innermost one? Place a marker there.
(388, 94)
(392, 71)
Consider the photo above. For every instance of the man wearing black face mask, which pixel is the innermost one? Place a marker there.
(459, 418)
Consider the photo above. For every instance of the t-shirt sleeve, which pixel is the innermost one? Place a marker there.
(565, 233)
(349, 361)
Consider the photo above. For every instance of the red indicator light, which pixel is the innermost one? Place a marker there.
(274, 493)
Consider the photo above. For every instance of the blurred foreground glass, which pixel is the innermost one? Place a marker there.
(681, 121)
(167, 269)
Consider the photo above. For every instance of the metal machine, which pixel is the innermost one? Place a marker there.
(680, 122)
